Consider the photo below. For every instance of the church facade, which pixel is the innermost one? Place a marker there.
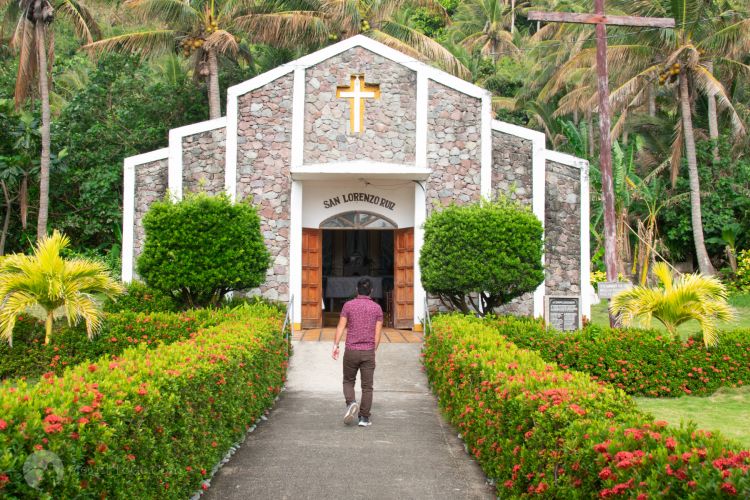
(345, 152)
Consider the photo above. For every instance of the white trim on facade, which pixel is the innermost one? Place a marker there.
(128, 207)
(583, 198)
(295, 250)
(298, 118)
(175, 151)
(538, 187)
(321, 171)
(420, 215)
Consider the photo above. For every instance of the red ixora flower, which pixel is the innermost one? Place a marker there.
(728, 488)
(670, 443)
(138, 408)
(92, 368)
(3, 424)
(86, 409)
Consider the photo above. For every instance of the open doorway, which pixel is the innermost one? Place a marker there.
(348, 256)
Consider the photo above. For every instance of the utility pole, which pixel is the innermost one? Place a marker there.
(601, 21)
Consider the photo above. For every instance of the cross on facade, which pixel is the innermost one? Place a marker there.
(605, 146)
(357, 92)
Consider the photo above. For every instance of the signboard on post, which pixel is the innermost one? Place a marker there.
(608, 289)
(563, 312)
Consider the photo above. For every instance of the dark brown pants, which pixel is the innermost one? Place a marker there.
(364, 362)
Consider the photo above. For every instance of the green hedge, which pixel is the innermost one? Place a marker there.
(538, 430)
(149, 423)
(29, 357)
(640, 362)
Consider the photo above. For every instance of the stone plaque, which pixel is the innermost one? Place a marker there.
(608, 289)
(563, 312)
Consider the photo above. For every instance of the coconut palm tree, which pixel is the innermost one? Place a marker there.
(47, 282)
(205, 30)
(485, 26)
(678, 60)
(382, 20)
(36, 54)
(692, 297)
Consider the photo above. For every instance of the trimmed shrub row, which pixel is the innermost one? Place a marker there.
(538, 430)
(69, 346)
(146, 424)
(640, 362)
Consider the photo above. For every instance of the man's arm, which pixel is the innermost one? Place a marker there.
(378, 330)
(339, 333)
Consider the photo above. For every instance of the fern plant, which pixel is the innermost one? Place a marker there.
(47, 285)
(687, 298)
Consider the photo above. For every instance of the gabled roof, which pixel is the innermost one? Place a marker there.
(367, 43)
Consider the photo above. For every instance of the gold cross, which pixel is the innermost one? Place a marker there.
(357, 92)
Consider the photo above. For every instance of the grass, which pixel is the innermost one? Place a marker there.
(741, 304)
(726, 411)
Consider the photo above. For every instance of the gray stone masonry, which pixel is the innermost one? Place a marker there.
(389, 122)
(512, 167)
(264, 131)
(203, 161)
(150, 186)
(453, 147)
(562, 229)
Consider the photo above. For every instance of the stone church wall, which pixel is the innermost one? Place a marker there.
(389, 122)
(203, 161)
(453, 147)
(562, 229)
(264, 131)
(150, 185)
(512, 167)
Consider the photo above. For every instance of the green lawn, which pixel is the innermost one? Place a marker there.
(741, 304)
(727, 411)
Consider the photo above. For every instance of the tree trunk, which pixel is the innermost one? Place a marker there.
(713, 120)
(6, 222)
(651, 100)
(590, 132)
(512, 16)
(41, 49)
(704, 263)
(214, 102)
(48, 327)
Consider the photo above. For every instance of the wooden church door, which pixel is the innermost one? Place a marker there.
(403, 283)
(312, 278)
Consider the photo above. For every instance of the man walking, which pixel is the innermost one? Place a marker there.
(363, 319)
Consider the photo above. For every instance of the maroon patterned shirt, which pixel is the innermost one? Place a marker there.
(361, 314)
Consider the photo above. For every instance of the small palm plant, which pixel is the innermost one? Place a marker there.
(49, 284)
(689, 297)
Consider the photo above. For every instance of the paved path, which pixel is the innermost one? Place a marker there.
(389, 336)
(305, 451)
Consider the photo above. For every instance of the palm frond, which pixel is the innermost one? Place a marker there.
(177, 13)
(285, 29)
(713, 87)
(84, 24)
(405, 39)
(149, 43)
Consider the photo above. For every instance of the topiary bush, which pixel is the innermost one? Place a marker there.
(490, 251)
(30, 357)
(202, 247)
(640, 362)
(538, 430)
(148, 423)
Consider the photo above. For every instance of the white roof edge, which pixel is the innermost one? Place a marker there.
(195, 128)
(368, 43)
(565, 159)
(518, 131)
(140, 159)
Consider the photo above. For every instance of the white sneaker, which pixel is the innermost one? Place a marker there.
(351, 411)
(364, 422)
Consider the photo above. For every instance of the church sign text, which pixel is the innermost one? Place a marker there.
(359, 197)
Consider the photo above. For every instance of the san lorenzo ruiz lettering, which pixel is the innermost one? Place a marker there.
(360, 197)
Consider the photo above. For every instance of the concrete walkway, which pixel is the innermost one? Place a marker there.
(305, 451)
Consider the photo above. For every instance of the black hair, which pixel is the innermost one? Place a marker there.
(364, 286)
